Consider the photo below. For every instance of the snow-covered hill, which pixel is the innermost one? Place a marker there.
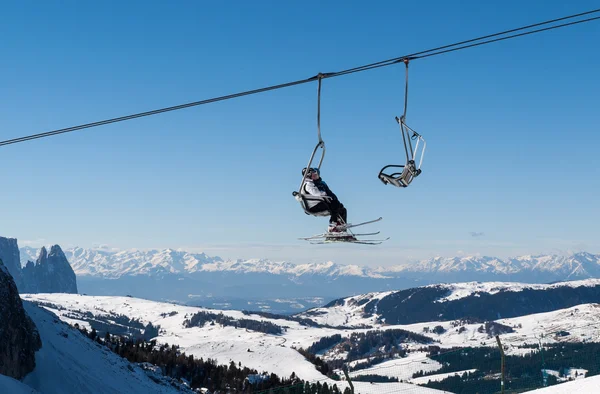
(589, 385)
(68, 362)
(263, 352)
(275, 353)
(13, 386)
(486, 301)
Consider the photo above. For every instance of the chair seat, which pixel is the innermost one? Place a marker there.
(400, 178)
(303, 200)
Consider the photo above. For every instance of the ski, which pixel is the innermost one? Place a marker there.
(369, 242)
(336, 235)
(341, 235)
(352, 241)
(350, 225)
(346, 236)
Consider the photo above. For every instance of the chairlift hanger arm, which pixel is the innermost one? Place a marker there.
(320, 144)
(407, 172)
(300, 195)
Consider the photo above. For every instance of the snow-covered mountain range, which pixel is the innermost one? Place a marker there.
(108, 263)
(200, 279)
(116, 263)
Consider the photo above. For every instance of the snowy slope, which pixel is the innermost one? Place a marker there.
(263, 352)
(462, 290)
(350, 311)
(70, 363)
(589, 385)
(274, 353)
(582, 322)
(12, 386)
(222, 343)
(440, 376)
(402, 368)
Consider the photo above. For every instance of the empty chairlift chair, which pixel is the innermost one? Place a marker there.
(401, 175)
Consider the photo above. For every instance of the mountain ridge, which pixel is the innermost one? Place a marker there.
(467, 300)
(102, 262)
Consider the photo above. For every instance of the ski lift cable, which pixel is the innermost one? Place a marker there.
(418, 55)
(153, 112)
(508, 37)
(459, 46)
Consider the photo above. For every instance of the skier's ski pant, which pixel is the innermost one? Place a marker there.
(337, 209)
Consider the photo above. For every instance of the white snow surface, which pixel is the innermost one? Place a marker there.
(589, 385)
(401, 368)
(462, 290)
(12, 386)
(581, 322)
(274, 353)
(68, 362)
(349, 311)
(263, 352)
(439, 377)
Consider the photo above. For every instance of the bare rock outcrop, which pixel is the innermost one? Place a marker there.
(51, 273)
(19, 338)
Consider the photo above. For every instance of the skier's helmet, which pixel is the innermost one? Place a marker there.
(310, 171)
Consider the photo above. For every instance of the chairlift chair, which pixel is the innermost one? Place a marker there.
(301, 195)
(401, 175)
(304, 198)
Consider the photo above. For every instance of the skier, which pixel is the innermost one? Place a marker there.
(315, 186)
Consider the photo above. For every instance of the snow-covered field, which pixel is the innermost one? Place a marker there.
(70, 363)
(439, 377)
(276, 353)
(462, 290)
(349, 311)
(13, 386)
(263, 352)
(349, 314)
(576, 324)
(569, 374)
(402, 368)
(589, 385)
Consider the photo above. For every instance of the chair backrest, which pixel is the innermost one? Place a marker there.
(414, 158)
(400, 178)
(303, 199)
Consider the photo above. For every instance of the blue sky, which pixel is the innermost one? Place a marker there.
(511, 127)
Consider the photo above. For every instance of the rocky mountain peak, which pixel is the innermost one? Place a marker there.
(51, 273)
(43, 255)
(19, 338)
(10, 255)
